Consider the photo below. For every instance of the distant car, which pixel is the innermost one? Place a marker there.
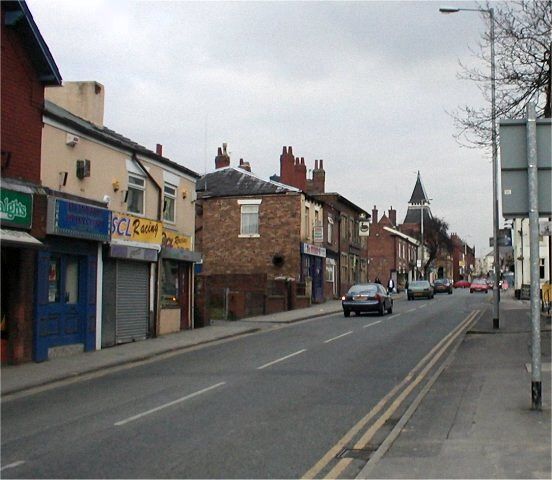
(367, 297)
(479, 285)
(419, 289)
(442, 285)
(461, 284)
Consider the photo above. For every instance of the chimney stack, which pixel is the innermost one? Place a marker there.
(374, 215)
(393, 216)
(245, 165)
(222, 159)
(159, 149)
(318, 177)
(287, 163)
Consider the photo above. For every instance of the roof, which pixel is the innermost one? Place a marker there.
(419, 195)
(402, 235)
(18, 18)
(233, 181)
(339, 199)
(413, 215)
(109, 136)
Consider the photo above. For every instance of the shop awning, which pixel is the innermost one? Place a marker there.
(16, 238)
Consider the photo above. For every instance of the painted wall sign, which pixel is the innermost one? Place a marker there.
(309, 249)
(130, 228)
(78, 220)
(16, 208)
(176, 241)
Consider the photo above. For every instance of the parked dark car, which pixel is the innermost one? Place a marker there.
(367, 297)
(442, 285)
(479, 285)
(419, 289)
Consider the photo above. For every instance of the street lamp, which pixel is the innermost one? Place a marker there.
(490, 12)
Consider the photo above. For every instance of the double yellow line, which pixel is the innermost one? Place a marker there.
(410, 382)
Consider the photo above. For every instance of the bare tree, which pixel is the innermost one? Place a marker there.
(436, 239)
(523, 42)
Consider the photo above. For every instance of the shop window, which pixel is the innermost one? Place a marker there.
(135, 194)
(72, 280)
(169, 284)
(329, 273)
(169, 203)
(54, 280)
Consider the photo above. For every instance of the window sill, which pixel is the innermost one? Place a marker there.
(250, 235)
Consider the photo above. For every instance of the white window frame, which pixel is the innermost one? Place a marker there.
(249, 203)
(170, 196)
(330, 230)
(141, 188)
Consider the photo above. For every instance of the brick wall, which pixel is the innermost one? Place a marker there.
(381, 252)
(224, 252)
(22, 99)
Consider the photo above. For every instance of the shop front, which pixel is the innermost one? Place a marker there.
(177, 282)
(312, 266)
(129, 278)
(18, 273)
(66, 280)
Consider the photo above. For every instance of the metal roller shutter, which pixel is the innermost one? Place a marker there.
(132, 311)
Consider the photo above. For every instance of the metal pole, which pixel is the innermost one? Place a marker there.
(422, 239)
(496, 172)
(532, 176)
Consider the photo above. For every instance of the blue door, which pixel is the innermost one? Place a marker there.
(62, 307)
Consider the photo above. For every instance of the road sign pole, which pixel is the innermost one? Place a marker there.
(532, 175)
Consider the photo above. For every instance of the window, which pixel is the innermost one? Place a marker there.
(72, 280)
(169, 203)
(249, 218)
(54, 280)
(306, 221)
(330, 273)
(135, 194)
(169, 284)
(541, 268)
(330, 230)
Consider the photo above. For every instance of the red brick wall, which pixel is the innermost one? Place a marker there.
(224, 252)
(381, 252)
(22, 99)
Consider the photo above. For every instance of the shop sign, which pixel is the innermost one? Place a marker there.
(176, 241)
(309, 249)
(16, 208)
(318, 234)
(78, 220)
(130, 228)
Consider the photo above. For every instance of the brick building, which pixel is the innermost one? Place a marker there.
(463, 259)
(257, 238)
(391, 253)
(27, 67)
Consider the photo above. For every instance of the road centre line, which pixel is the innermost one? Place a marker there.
(368, 435)
(281, 359)
(170, 404)
(339, 336)
(411, 310)
(347, 438)
(423, 306)
(374, 323)
(394, 316)
(12, 465)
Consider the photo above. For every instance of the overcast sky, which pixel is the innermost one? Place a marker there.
(365, 86)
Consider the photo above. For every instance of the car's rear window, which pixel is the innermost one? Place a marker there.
(439, 282)
(363, 289)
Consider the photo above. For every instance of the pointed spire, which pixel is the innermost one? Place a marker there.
(419, 195)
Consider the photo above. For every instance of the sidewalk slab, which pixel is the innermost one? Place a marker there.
(476, 421)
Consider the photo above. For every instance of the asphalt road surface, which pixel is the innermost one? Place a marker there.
(268, 405)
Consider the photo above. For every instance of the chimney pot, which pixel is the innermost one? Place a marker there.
(284, 151)
(159, 149)
(290, 151)
(219, 151)
(321, 164)
(316, 164)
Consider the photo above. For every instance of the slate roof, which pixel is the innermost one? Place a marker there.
(418, 195)
(109, 136)
(19, 18)
(233, 181)
(413, 215)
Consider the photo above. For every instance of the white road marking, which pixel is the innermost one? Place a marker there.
(339, 336)
(374, 323)
(423, 306)
(174, 402)
(394, 316)
(411, 310)
(281, 359)
(12, 465)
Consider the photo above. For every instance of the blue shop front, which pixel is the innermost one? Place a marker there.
(67, 277)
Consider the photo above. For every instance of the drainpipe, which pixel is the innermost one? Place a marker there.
(157, 301)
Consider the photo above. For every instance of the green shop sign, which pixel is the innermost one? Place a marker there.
(16, 208)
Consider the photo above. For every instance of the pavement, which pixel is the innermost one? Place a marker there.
(475, 421)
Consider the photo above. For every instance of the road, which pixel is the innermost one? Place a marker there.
(277, 404)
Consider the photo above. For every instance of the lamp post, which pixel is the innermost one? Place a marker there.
(490, 12)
